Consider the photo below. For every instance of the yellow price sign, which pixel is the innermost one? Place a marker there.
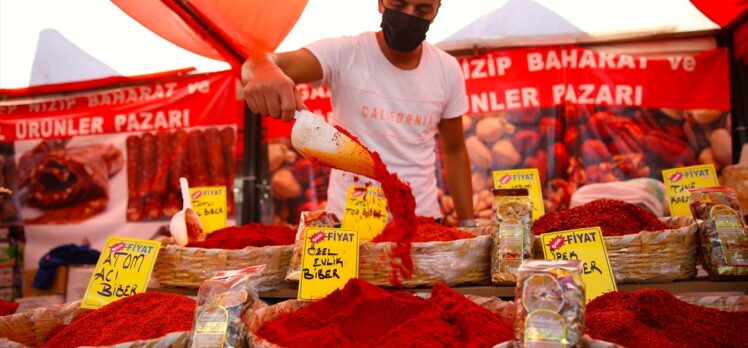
(328, 261)
(365, 211)
(588, 246)
(123, 269)
(209, 203)
(679, 180)
(522, 179)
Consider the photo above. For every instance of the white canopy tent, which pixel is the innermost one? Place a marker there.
(548, 22)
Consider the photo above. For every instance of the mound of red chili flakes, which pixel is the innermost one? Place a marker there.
(363, 315)
(656, 318)
(615, 218)
(240, 237)
(426, 230)
(138, 317)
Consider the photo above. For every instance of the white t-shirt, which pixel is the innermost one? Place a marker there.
(392, 111)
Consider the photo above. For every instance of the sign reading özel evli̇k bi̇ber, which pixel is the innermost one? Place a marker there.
(124, 268)
(209, 203)
(588, 246)
(365, 211)
(328, 261)
(679, 180)
(522, 179)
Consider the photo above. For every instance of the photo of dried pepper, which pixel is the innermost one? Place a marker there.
(573, 145)
(67, 184)
(156, 161)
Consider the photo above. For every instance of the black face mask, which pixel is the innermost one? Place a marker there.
(403, 32)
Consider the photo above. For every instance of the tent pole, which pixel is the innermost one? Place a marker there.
(249, 170)
(738, 94)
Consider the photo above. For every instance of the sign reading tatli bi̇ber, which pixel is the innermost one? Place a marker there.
(365, 211)
(124, 268)
(679, 180)
(210, 205)
(588, 246)
(329, 260)
(522, 179)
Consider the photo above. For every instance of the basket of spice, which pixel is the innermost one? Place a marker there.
(364, 315)
(656, 318)
(412, 250)
(641, 247)
(230, 248)
(142, 320)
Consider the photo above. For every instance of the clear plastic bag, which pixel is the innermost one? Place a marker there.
(225, 302)
(511, 234)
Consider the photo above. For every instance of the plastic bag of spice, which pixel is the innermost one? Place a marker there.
(724, 236)
(550, 299)
(511, 234)
(308, 219)
(225, 302)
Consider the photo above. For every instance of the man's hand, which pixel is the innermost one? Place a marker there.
(270, 92)
(270, 82)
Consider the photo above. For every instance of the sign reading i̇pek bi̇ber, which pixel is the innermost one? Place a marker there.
(586, 245)
(124, 268)
(329, 260)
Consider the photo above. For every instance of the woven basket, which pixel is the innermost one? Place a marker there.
(189, 267)
(457, 262)
(651, 257)
(32, 328)
(724, 303)
(463, 261)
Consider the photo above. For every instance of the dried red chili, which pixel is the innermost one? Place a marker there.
(363, 315)
(615, 218)
(137, 317)
(656, 318)
(253, 234)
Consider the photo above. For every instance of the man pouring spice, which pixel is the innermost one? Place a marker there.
(392, 90)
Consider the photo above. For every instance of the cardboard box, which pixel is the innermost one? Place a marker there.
(78, 278)
(59, 287)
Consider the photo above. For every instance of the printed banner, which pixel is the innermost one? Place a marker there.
(89, 164)
(578, 116)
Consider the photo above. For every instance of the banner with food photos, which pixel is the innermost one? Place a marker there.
(579, 116)
(95, 163)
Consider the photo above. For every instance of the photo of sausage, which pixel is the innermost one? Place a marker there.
(204, 156)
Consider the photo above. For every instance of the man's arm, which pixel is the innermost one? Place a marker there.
(457, 164)
(270, 81)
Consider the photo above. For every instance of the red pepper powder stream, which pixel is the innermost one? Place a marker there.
(138, 317)
(253, 234)
(615, 218)
(405, 227)
(363, 315)
(656, 318)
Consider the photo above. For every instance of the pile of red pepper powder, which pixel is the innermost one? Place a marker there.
(253, 234)
(405, 227)
(656, 318)
(138, 317)
(363, 315)
(615, 218)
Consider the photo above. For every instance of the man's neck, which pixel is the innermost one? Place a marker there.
(402, 60)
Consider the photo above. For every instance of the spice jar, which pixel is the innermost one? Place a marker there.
(511, 234)
(550, 298)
